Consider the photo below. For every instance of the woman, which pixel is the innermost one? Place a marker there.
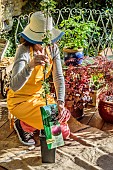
(24, 97)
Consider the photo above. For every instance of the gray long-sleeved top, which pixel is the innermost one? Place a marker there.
(21, 71)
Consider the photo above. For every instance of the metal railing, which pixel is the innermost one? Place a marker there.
(104, 20)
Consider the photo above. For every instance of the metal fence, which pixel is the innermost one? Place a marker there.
(104, 20)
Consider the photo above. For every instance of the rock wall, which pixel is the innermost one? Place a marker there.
(8, 9)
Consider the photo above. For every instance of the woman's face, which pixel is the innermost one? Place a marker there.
(37, 47)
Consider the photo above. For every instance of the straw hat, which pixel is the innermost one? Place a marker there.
(34, 31)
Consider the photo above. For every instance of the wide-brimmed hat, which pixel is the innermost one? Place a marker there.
(34, 31)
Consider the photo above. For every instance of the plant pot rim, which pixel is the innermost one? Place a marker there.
(70, 50)
(106, 102)
(99, 90)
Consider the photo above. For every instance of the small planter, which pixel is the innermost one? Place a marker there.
(48, 155)
(95, 97)
(106, 111)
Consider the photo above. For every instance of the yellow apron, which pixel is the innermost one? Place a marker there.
(25, 103)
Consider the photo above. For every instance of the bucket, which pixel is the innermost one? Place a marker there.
(48, 155)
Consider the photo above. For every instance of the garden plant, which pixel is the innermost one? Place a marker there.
(77, 33)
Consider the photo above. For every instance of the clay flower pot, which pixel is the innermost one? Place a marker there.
(106, 110)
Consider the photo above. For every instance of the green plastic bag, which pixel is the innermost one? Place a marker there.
(52, 127)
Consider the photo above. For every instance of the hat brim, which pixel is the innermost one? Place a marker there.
(36, 37)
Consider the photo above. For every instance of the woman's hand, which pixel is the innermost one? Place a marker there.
(60, 105)
(39, 59)
(63, 114)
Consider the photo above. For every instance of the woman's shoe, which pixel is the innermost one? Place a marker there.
(25, 137)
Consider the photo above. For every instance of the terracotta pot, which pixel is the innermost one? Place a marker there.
(69, 50)
(106, 111)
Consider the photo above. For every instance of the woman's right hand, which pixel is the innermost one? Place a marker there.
(39, 59)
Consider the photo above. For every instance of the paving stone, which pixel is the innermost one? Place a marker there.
(88, 148)
(108, 127)
(88, 114)
(96, 121)
(75, 125)
(101, 145)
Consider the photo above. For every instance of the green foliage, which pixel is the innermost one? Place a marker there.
(47, 7)
(47, 38)
(96, 81)
(32, 6)
(77, 32)
(11, 37)
(46, 88)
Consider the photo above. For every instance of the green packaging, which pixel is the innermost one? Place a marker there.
(52, 127)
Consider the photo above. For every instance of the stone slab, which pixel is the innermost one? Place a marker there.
(92, 156)
(88, 148)
(88, 114)
(75, 125)
(96, 121)
(108, 127)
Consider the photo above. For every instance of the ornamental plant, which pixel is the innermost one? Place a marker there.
(77, 86)
(82, 80)
(47, 7)
(107, 68)
(96, 81)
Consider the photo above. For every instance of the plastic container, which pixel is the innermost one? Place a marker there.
(48, 155)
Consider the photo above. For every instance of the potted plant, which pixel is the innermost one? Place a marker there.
(105, 106)
(51, 136)
(100, 77)
(97, 82)
(77, 34)
(77, 90)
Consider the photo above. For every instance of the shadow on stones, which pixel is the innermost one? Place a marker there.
(106, 162)
(23, 163)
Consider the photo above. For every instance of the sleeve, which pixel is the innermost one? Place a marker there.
(20, 71)
(58, 77)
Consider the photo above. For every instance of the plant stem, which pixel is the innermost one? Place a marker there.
(45, 82)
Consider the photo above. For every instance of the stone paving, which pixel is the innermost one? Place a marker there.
(88, 148)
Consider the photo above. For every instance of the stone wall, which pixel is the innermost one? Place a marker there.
(8, 9)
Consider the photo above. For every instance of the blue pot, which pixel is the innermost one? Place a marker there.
(74, 58)
(79, 57)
